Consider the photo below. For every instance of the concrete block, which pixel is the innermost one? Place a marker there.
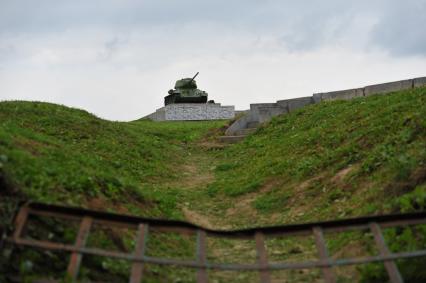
(255, 106)
(343, 94)
(296, 103)
(388, 87)
(254, 109)
(283, 103)
(317, 97)
(158, 115)
(265, 113)
(239, 124)
(241, 112)
(419, 82)
(252, 124)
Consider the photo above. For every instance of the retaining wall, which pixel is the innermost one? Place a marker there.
(340, 94)
(388, 87)
(263, 112)
(158, 115)
(418, 82)
(295, 103)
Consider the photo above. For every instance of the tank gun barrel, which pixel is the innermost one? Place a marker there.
(193, 78)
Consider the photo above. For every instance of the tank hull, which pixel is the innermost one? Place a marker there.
(177, 98)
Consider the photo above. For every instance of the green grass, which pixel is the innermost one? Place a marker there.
(330, 160)
(381, 140)
(56, 154)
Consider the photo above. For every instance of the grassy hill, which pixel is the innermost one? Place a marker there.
(56, 154)
(326, 161)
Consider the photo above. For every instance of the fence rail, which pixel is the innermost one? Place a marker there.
(144, 226)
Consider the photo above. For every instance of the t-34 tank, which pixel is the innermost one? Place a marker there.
(186, 92)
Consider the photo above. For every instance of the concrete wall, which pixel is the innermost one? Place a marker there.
(263, 112)
(158, 115)
(339, 95)
(419, 82)
(295, 103)
(388, 87)
(241, 112)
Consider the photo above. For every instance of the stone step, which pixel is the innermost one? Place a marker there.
(244, 132)
(231, 139)
(252, 124)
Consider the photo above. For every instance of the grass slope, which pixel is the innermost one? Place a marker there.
(331, 160)
(327, 161)
(55, 154)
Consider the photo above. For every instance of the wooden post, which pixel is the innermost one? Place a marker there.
(76, 257)
(262, 257)
(201, 256)
(323, 254)
(137, 267)
(391, 268)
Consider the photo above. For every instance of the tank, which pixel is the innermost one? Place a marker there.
(186, 91)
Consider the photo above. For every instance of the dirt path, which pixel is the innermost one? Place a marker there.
(198, 171)
(197, 174)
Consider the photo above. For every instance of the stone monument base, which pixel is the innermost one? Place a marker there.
(193, 112)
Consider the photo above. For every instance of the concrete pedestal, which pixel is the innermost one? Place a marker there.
(193, 112)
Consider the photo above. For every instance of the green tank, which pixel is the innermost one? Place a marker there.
(186, 91)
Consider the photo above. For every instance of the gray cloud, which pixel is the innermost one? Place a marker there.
(119, 58)
(299, 25)
(111, 47)
(402, 28)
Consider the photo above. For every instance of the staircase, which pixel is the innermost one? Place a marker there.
(240, 134)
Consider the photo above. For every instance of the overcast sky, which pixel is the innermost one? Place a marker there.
(118, 58)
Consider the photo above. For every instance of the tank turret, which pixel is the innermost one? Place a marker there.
(186, 91)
